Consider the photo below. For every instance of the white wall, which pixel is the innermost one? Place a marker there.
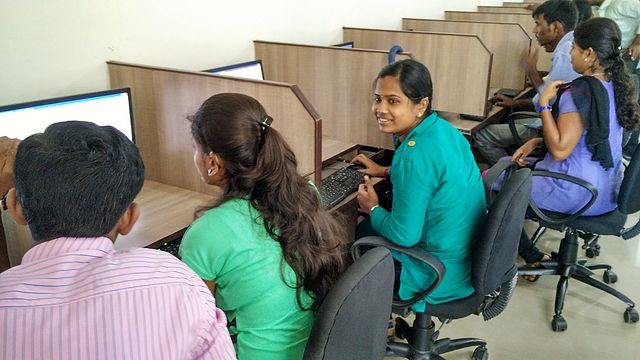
(52, 48)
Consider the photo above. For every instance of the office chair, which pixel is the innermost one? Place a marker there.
(565, 263)
(511, 121)
(352, 321)
(493, 274)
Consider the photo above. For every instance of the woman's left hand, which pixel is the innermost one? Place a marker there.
(367, 196)
(550, 91)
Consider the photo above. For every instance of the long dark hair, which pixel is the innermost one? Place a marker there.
(260, 166)
(603, 36)
(415, 80)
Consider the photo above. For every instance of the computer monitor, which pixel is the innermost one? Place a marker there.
(346, 45)
(111, 107)
(248, 70)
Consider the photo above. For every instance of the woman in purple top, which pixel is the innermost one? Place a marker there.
(583, 133)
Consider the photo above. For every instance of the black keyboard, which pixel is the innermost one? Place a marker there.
(339, 185)
(508, 92)
(171, 247)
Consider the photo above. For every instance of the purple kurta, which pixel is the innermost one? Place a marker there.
(564, 197)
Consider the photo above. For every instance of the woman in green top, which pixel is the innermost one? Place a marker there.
(438, 196)
(267, 250)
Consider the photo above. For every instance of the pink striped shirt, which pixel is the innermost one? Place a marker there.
(79, 298)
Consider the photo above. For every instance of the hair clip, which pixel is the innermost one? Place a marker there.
(266, 121)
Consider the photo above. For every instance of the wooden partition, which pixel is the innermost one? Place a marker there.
(514, 4)
(163, 98)
(507, 42)
(526, 20)
(460, 65)
(503, 9)
(339, 82)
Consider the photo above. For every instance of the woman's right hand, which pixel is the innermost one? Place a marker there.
(550, 92)
(520, 155)
(371, 168)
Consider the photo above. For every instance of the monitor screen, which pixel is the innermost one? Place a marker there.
(248, 70)
(346, 45)
(111, 107)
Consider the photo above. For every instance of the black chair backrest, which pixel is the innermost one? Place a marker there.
(629, 196)
(495, 252)
(352, 320)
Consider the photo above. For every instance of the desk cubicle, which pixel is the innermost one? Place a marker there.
(460, 64)
(337, 81)
(162, 98)
(515, 4)
(503, 9)
(507, 42)
(526, 20)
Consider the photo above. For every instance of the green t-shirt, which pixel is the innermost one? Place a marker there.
(230, 246)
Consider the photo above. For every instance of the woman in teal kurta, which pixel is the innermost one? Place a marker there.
(267, 250)
(438, 196)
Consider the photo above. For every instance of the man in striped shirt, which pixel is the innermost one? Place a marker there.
(74, 296)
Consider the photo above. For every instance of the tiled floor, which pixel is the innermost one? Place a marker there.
(596, 329)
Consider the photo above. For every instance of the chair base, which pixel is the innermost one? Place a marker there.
(423, 342)
(567, 266)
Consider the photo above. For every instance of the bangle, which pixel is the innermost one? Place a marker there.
(386, 172)
(373, 208)
(541, 108)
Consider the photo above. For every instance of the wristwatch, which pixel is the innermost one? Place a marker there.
(543, 107)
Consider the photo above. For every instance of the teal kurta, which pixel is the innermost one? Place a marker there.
(438, 203)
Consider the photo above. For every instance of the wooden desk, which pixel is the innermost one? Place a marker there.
(333, 148)
(496, 115)
(505, 9)
(520, 4)
(165, 213)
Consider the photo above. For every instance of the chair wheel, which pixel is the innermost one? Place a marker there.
(630, 315)
(480, 353)
(591, 253)
(609, 277)
(558, 323)
(402, 329)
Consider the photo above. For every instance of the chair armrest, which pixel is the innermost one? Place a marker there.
(571, 179)
(631, 232)
(511, 118)
(523, 114)
(503, 166)
(361, 245)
